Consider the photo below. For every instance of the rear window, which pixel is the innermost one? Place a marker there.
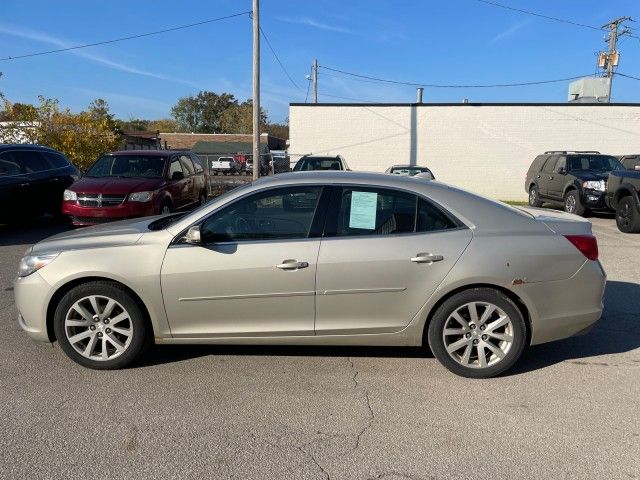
(308, 164)
(56, 160)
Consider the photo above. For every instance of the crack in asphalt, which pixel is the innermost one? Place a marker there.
(371, 415)
(401, 475)
(315, 461)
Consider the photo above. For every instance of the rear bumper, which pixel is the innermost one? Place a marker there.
(568, 307)
(82, 216)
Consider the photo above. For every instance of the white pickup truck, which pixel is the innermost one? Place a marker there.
(224, 165)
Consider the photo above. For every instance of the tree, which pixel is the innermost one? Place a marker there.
(133, 124)
(202, 113)
(239, 118)
(83, 136)
(279, 130)
(163, 125)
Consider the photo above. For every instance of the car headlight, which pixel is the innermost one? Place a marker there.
(140, 197)
(33, 263)
(70, 196)
(599, 185)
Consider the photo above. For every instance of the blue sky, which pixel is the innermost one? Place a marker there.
(448, 42)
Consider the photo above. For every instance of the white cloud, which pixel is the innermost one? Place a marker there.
(314, 23)
(33, 35)
(509, 31)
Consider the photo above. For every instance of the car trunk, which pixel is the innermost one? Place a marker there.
(559, 222)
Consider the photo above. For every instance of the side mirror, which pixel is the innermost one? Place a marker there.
(177, 176)
(193, 236)
(562, 171)
(637, 167)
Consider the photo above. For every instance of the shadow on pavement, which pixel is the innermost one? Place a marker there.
(30, 231)
(617, 332)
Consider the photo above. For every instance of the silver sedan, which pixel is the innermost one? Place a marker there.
(320, 258)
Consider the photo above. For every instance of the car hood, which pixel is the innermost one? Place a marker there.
(115, 185)
(126, 232)
(587, 175)
(562, 223)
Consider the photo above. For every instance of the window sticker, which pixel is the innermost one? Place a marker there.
(363, 210)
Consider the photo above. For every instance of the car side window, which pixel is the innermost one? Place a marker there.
(197, 165)
(8, 165)
(550, 164)
(561, 164)
(187, 166)
(174, 167)
(430, 218)
(31, 161)
(277, 214)
(375, 211)
(56, 160)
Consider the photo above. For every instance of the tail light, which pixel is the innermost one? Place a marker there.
(587, 244)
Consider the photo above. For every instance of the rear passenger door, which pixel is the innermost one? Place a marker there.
(383, 254)
(545, 175)
(557, 178)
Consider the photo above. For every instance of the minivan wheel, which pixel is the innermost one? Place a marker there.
(534, 197)
(99, 325)
(627, 216)
(477, 333)
(572, 203)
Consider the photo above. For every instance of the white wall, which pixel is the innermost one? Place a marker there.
(483, 148)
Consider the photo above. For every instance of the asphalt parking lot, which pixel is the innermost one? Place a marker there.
(570, 409)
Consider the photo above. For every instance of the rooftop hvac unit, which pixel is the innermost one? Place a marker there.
(589, 90)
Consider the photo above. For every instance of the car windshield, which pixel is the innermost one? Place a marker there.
(307, 164)
(597, 163)
(411, 171)
(130, 166)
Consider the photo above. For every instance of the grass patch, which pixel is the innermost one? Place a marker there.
(516, 203)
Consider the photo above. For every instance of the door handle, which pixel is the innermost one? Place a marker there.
(54, 179)
(550, 178)
(291, 265)
(427, 258)
(24, 184)
(537, 176)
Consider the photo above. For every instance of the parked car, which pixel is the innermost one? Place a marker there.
(411, 170)
(281, 161)
(623, 196)
(265, 165)
(317, 162)
(136, 183)
(322, 258)
(630, 162)
(32, 180)
(225, 166)
(575, 179)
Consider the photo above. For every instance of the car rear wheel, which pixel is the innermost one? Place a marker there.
(534, 197)
(477, 333)
(165, 208)
(99, 325)
(573, 204)
(627, 216)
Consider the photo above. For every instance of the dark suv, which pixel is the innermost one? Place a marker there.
(32, 180)
(319, 162)
(575, 179)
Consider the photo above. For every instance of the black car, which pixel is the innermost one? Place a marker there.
(623, 196)
(575, 179)
(32, 181)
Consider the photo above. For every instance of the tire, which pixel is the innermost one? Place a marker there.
(507, 338)
(627, 216)
(534, 197)
(104, 343)
(573, 204)
(165, 208)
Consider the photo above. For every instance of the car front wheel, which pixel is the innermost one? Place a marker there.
(477, 333)
(99, 325)
(573, 204)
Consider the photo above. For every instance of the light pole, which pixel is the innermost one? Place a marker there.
(256, 89)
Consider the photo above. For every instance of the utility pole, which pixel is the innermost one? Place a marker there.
(610, 59)
(315, 80)
(256, 89)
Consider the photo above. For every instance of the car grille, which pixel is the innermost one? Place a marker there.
(93, 219)
(99, 200)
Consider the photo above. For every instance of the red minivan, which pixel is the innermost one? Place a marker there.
(136, 183)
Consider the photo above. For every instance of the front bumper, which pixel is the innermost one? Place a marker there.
(83, 216)
(565, 308)
(32, 297)
(594, 199)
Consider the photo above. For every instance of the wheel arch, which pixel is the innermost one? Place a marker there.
(67, 287)
(520, 304)
(626, 190)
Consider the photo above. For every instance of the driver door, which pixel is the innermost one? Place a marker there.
(253, 273)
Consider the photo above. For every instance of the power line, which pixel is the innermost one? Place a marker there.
(626, 76)
(278, 60)
(547, 17)
(436, 85)
(130, 37)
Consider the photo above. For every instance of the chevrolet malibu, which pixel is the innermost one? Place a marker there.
(320, 258)
(135, 183)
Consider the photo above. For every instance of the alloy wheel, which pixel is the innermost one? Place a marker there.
(570, 204)
(98, 328)
(165, 209)
(624, 215)
(532, 197)
(478, 335)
